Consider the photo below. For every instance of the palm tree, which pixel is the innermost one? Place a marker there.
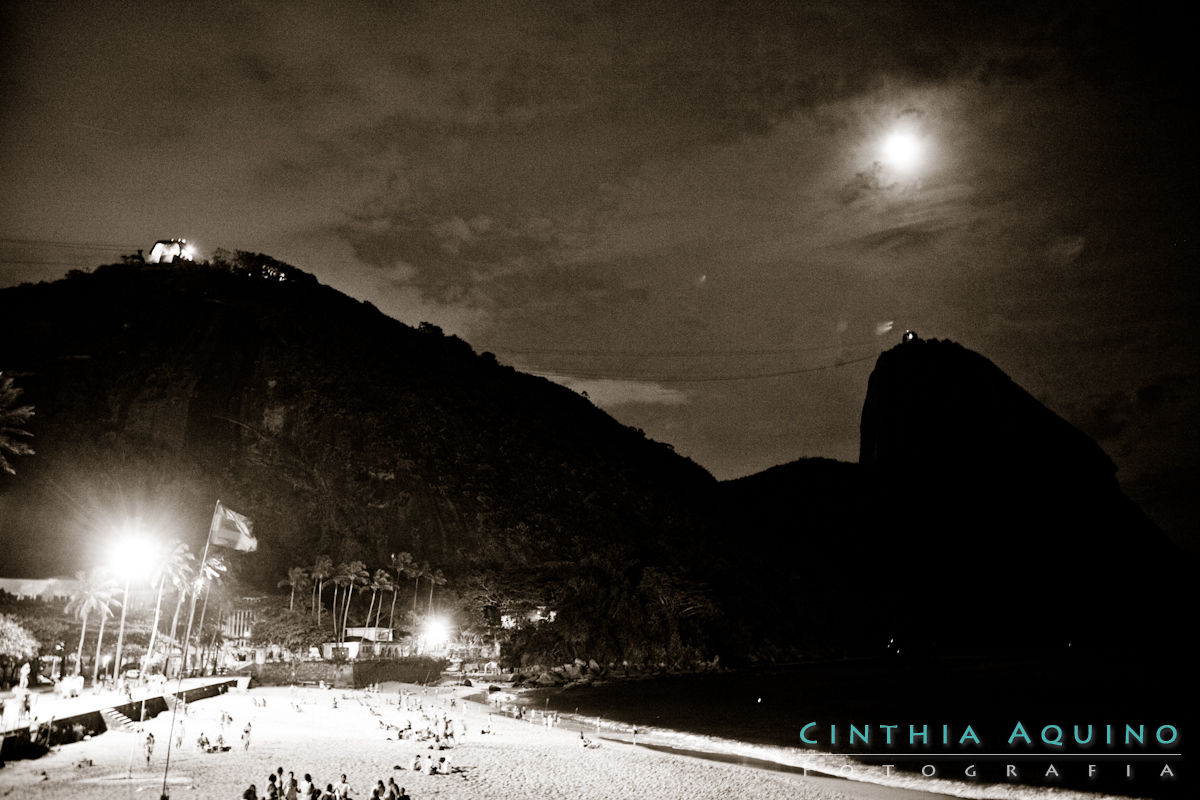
(172, 568)
(210, 573)
(386, 584)
(403, 564)
(350, 575)
(422, 571)
(183, 587)
(95, 592)
(339, 578)
(358, 577)
(222, 603)
(436, 578)
(12, 417)
(105, 612)
(297, 579)
(378, 581)
(320, 571)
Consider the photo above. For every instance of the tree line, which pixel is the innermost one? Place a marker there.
(97, 596)
(347, 576)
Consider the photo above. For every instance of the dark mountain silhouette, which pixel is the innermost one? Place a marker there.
(799, 551)
(340, 431)
(1017, 513)
(159, 388)
(976, 518)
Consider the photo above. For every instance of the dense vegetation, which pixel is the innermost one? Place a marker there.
(389, 465)
(343, 433)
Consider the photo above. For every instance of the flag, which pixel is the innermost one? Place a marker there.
(231, 529)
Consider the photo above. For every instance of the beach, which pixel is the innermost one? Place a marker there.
(330, 732)
(301, 731)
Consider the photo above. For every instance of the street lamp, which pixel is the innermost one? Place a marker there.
(435, 633)
(132, 557)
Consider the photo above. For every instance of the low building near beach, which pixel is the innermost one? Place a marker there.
(39, 588)
(364, 643)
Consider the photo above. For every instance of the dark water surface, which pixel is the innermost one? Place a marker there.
(990, 696)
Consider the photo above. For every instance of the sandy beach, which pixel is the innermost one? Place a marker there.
(301, 731)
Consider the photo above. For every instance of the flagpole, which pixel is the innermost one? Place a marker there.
(183, 659)
(200, 632)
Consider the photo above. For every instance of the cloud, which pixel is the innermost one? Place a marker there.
(513, 164)
(1065, 250)
(608, 394)
(1107, 416)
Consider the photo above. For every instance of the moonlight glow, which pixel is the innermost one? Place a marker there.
(903, 150)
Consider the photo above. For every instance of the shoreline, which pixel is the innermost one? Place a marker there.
(299, 729)
(823, 765)
(762, 713)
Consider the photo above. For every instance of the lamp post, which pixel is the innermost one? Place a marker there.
(121, 631)
(132, 554)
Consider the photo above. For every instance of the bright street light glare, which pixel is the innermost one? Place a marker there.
(436, 631)
(133, 554)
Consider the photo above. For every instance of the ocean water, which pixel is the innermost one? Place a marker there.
(759, 715)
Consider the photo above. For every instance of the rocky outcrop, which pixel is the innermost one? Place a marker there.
(996, 519)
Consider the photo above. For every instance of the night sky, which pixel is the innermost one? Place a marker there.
(710, 216)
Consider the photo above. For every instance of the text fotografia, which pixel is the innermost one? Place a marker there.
(1050, 771)
(1040, 754)
(1059, 737)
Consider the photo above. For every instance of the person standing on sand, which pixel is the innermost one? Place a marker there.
(149, 747)
(292, 792)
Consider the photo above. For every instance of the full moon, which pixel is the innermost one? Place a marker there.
(902, 150)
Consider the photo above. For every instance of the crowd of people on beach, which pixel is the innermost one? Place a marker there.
(204, 744)
(437, 729)
(428, 722)
(432, 722)
(279, 787)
